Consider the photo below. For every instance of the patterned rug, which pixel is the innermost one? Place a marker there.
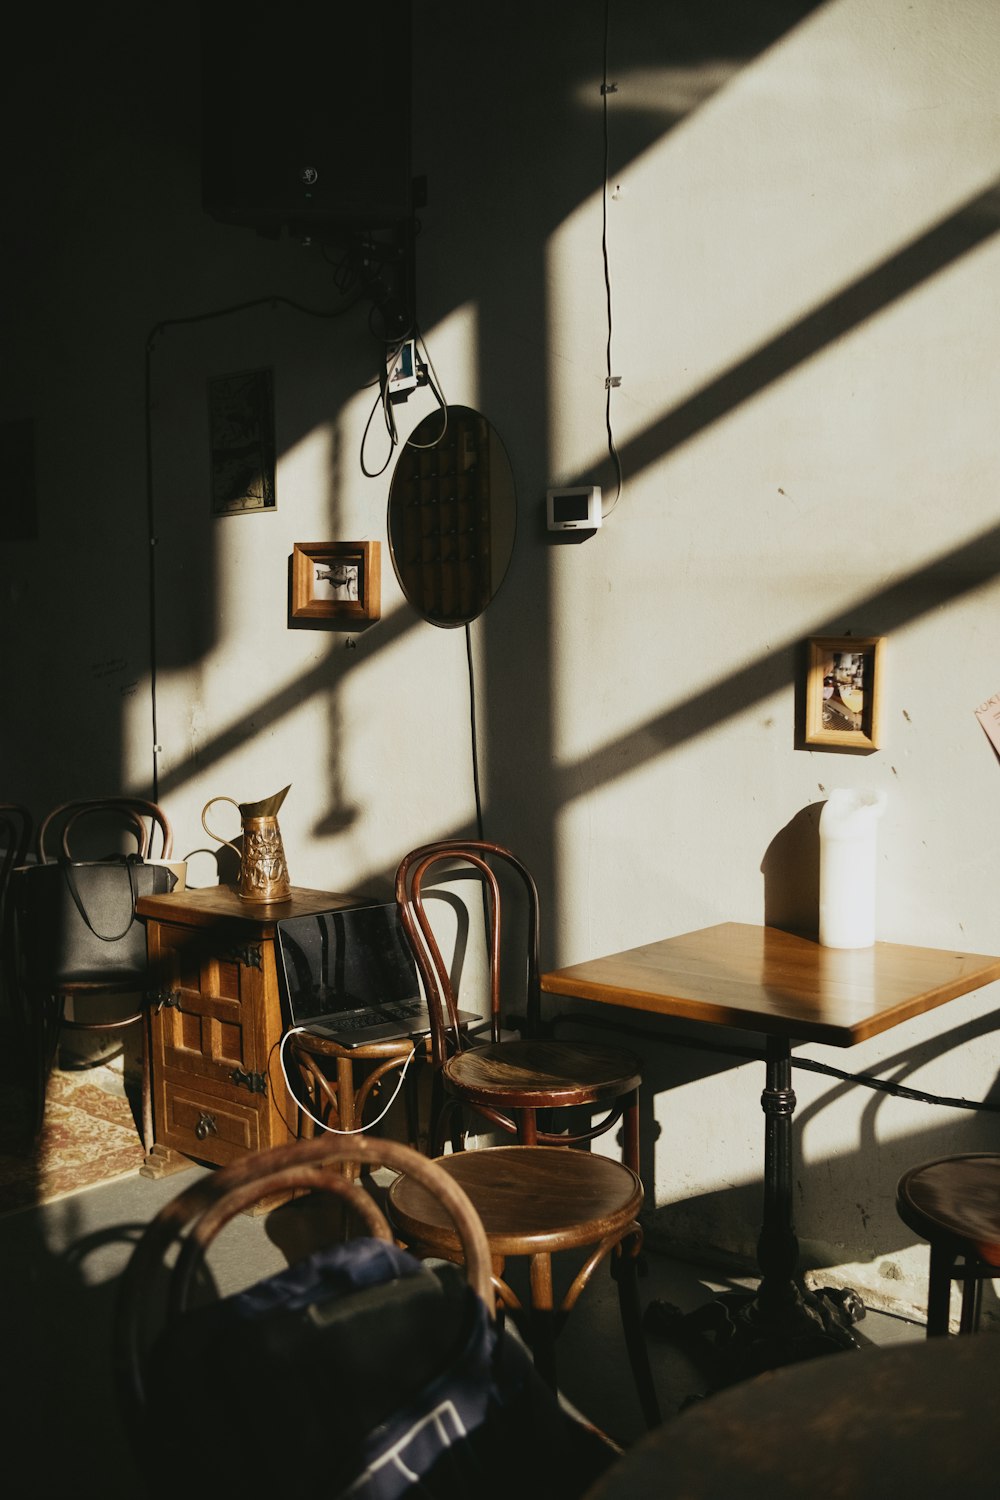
(89, 1137)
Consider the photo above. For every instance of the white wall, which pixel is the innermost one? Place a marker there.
(803, 267)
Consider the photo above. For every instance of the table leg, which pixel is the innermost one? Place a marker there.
(781, 1322)
(781, 1305)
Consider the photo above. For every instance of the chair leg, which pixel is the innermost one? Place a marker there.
(148, 1134)
(346, 1110)
(436, 1109)
(411, 1104)
(630, 1132)
(624, 1268)
(46, 1021)
(543, 1320)
(446, 1125)
(972, 1297)
(939, 1292)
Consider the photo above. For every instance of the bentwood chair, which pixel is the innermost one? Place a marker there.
(522, 1081)
(340, 1088)
(358, 1369)
(87, 828)
(537, 1204)
(953, 1202)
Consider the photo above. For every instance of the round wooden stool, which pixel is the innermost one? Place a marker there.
(954, 1204)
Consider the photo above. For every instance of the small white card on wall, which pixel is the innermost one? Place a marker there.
(988, 714)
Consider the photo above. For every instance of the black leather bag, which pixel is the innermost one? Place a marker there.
(76, 920)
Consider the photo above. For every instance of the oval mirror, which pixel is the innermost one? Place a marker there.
(452, 515)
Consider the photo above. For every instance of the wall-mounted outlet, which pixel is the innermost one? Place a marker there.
(403, 371)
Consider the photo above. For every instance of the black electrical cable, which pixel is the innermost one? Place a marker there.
(475, 740)
(391, 353)
(379, 401)
(158, 328)
(606, 89)
(151, 540)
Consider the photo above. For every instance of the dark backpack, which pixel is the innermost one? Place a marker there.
(364, 1372)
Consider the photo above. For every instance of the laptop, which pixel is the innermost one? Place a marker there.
(350, 975)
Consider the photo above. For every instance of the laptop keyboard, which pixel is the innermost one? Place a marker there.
(399, 1010)
(403, 1008)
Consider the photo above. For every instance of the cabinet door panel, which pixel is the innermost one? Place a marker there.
(207, 1023)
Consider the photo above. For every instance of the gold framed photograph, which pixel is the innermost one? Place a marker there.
(844, 691)
(337, 581)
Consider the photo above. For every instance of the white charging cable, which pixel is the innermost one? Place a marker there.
(358, 1130)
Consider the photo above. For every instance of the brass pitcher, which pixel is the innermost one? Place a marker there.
(263, 871)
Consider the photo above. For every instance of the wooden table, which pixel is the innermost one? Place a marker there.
(789, 988)
(918, 1419)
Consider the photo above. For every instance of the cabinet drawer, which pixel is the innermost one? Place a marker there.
(204, 1125)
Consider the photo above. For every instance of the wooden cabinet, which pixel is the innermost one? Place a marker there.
(215, 1021)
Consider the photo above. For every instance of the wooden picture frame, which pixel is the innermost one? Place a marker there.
(844, 691)
(241, 442)
(337, 581)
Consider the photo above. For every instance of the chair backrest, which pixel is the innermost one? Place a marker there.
(16, 828)
(158, 1327)
(439, 862)
(62, 832)
(193, 1219)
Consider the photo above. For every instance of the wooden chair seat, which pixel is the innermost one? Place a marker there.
(953, 1202)
(527, 1074)
(535, 1202)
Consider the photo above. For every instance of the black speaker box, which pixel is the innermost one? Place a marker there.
(306, 113)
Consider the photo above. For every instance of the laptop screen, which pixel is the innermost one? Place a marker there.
(351, 959)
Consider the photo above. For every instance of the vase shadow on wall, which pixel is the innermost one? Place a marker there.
(791, 874)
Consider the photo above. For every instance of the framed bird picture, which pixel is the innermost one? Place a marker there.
(337, 581)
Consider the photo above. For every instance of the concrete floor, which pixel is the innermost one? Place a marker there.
(63, 1262)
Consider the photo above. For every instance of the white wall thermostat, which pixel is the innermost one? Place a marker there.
(574, 509)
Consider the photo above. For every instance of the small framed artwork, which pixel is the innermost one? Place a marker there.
(337, 581)
(241, 439)
(843, 691)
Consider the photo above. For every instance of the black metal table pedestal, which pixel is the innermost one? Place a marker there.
(739, 1334)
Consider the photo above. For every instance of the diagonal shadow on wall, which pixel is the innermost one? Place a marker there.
(944, 244)
(945, 579)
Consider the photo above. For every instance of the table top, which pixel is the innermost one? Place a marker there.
(762, 979)
(912, 1420)
(209, 905)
